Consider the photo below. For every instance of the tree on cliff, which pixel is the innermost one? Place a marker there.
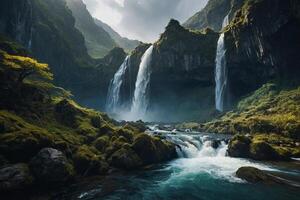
(20, 67)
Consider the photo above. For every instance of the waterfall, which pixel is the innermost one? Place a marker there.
(141, 93)
(113, 102)
(221, 71)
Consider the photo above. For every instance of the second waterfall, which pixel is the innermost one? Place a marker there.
(140, 101)
(221, 71)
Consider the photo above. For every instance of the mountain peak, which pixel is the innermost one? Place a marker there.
(173, 25)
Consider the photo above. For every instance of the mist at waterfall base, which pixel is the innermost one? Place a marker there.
(140, 101)
(202, 171)
(154, 102)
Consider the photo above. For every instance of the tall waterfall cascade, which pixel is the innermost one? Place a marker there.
(140, 101)
(113, 102)
(221, 71)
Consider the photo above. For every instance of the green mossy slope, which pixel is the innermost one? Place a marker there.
(271, 115)
(34, 114)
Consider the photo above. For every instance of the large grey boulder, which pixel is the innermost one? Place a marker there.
(51, 166)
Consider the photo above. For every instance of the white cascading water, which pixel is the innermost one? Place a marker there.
(204, 153)
(221, 71)
(141, 96)
(113, 102)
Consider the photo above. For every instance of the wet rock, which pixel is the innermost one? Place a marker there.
(215, 144)
(51, 166)
(239, 146)
(15, 177)
(254, 175)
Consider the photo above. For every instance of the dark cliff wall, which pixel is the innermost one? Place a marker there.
(182, 79)
(97, 40)
(213, 14)
(262, 45)
(47, 29)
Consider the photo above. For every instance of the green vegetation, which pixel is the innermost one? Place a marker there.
(270, 115)
(34, 117)
(22, 67)
(175, 34)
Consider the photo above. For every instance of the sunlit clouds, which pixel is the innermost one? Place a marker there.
(142, 19)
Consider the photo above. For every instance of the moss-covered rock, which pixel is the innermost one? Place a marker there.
(153, 150)
(253, 175)
(101, 143)
(263, 151)
(21, 140)
(88, 160)
(239, 146)
(126, 158)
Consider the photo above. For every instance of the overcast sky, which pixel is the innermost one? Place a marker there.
(142, 19)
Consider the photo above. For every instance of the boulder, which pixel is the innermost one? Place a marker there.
(239, 146)
(15, 177)
(153, 150)
(254, 175)
(263, 151)
(51, 166)
(126, 158)
(88, 161)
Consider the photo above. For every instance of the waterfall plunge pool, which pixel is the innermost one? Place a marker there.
(202, 171)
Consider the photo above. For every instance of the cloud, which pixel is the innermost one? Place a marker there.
(142, 19)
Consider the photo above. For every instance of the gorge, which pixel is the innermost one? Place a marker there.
(209, 110)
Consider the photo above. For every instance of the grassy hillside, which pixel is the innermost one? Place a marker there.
(271, 115)
(35, 114)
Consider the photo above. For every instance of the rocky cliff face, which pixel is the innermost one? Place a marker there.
(262, 44)
(213, 14)
(182, 80)
(93, 89)
(48, 30)
(122, 42)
